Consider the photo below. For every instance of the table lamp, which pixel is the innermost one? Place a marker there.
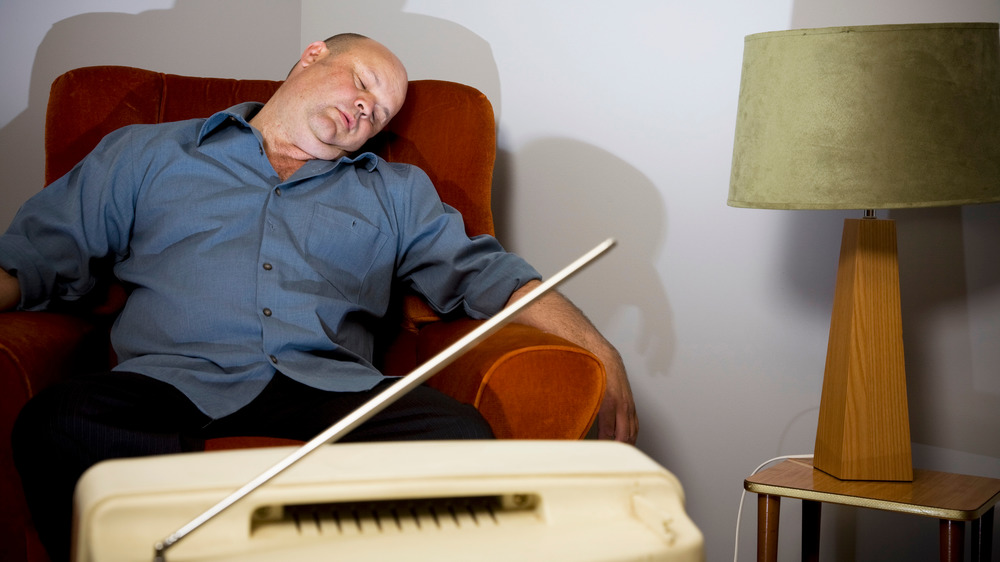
(868, 117)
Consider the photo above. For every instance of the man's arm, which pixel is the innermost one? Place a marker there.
(555, 314)
(10, 291)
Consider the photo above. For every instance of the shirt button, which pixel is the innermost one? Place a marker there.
(267, 312)
(273, 359)
(268, 267)
(277, 191)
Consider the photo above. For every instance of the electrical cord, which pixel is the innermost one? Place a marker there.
(739, 512)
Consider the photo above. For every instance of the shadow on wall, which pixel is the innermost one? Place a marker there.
(949, 281)
(594, 188)
(195, 37)
(570, 197)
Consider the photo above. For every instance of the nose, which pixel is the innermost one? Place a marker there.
(365, 104)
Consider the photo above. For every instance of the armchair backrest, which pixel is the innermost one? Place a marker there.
(445, 128)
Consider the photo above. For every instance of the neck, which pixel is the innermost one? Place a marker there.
(285, 168)
(284, 157)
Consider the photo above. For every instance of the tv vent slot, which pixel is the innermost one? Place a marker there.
(393, 516)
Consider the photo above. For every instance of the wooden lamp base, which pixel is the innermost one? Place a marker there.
(864, 428)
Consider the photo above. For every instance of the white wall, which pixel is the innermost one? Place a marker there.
(616, 119)
(40, 39)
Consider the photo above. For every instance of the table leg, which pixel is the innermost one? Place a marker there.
(810, 530)
(982, 537)
(952, 540)
(768, 512)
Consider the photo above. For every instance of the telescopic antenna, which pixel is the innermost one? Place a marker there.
(383, 399)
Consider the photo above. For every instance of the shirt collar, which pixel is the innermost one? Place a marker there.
(242, 114)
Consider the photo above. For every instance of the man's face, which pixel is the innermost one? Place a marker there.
(344, 99)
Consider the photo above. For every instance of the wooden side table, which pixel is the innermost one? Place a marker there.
(952, 498)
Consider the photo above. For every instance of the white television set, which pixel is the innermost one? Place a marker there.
(433, 500)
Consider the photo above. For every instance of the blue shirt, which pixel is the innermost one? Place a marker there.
(235, 274)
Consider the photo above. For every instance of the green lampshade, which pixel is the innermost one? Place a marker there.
(870, 117)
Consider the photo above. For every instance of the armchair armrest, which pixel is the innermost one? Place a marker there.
(39, 348)
(528, 384)
(36, 349)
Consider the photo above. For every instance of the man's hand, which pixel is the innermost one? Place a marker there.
(555, 314)
(617, 418)
(10, 291)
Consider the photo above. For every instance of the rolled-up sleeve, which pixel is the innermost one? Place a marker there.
(84, 216)
(450, 269)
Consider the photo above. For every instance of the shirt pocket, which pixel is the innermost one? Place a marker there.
(343, 249)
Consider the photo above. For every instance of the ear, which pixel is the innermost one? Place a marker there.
(314, 52)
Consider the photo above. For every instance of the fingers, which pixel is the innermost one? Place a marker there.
(618, 421)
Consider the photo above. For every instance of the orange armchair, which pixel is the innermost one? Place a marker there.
(526, 383)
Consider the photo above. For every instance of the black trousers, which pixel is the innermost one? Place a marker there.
(77, 423)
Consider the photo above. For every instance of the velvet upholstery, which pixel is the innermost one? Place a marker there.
(526, 383)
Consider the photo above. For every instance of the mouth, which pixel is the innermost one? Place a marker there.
(348, 120)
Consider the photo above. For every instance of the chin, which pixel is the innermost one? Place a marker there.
(322, 151)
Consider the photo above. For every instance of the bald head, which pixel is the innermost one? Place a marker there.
(340, 93)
